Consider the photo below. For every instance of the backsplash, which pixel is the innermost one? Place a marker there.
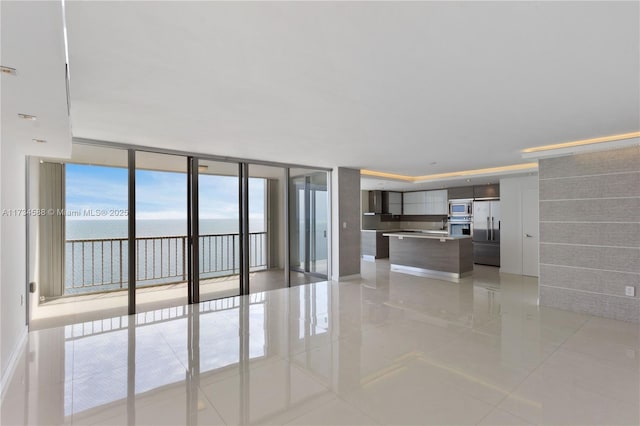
(384, 223)
(422, 225)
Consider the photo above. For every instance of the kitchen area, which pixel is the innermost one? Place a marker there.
(438, 233)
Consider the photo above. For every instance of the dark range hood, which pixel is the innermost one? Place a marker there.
(378, 203)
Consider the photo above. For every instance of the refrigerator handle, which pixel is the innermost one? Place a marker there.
(488, 229)
(493, 236)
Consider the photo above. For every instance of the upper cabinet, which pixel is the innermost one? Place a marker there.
(395, 203)
(486, 191)
(437, 202)
(426, 203)
(415, 197)
(461, 192)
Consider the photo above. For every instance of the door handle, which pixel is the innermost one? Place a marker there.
(325, 233)
(528, 235)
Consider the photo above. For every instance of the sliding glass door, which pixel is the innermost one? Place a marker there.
(267, 248)
(218, 230)
(161, 230)
(139, 230)
(308, 224)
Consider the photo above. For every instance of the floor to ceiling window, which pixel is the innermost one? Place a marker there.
(161, 230)
(138, 230)
(218, 230)
(79, 244)
(267, 188)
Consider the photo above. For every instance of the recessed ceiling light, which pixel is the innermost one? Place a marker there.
(39, 140)
(28, 117)
(468, 180)
(7, 70)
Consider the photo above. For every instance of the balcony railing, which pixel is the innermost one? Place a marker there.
(98, 265)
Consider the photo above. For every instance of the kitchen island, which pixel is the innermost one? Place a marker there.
(438, 256)
(374, 245)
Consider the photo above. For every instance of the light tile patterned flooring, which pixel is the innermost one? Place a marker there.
(388, 348)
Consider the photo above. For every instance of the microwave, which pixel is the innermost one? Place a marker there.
(460, 207)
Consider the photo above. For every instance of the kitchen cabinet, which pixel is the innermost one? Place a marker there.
(486, 191)
(395, 203)
(425, 203)
(415, 197)
(437, 202)
(461, 192)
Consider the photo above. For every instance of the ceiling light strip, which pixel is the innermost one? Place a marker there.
(489, 170)
(602, 139)
(386, 175)
(462, 173)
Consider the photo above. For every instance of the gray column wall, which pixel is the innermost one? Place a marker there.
(349, 215)
(590, 233)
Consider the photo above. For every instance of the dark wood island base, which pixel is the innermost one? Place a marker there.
(445, 257)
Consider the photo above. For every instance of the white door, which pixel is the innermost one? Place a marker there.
(530, 230)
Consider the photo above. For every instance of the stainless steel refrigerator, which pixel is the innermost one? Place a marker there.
(486, 232)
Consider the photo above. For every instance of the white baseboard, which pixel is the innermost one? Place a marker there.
(13, 362)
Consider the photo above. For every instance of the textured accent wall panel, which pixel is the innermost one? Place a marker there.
(596, 281)
(590, 233)
(598, 210)
(605, 234)
(620, 308)
(603, 186)
(594, 257)
(592, 163)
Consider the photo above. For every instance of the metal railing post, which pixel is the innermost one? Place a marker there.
(184, 258)
(121, 277)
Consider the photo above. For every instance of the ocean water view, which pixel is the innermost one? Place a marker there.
(97, 229)
(100, 264)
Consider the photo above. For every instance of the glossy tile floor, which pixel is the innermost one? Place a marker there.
(82, 308)
(387, 349)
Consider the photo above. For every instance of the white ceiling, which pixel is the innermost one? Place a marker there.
(387, 86)
(32, 42)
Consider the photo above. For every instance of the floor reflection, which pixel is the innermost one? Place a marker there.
(389, 348)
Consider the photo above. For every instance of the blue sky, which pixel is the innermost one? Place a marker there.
(159, 195)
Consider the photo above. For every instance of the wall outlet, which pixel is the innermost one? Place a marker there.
(629, 291)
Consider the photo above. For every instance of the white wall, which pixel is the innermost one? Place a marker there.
(32, 42)
(512, 191)
(12, 279)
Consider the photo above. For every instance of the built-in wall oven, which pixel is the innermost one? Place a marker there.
(460, 225)
(460, 208)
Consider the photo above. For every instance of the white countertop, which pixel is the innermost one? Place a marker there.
(430, 236)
